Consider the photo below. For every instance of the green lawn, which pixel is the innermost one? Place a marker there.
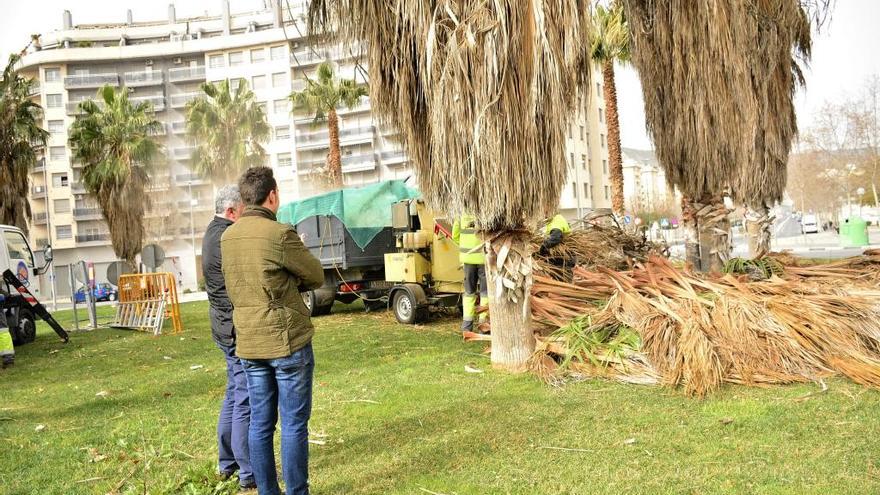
(399, 414)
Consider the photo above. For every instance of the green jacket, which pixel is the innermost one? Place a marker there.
(265, 265)
(464, 233)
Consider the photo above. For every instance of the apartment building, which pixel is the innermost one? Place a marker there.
(164, 62)
(644, 183)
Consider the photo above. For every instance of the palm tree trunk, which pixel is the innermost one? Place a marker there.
(615, 158)
(691, 237)
(707, 228)
(334, 160)
(513, 341)
(758, 223)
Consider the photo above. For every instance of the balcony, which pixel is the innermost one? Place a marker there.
(186, 74)
(393, 158)
(183, 153)
(78, 188)
(305, 58)
(358, 163)
(347, 137)
(40, 218)
(102, 237)
(180, 101)
(198, 229)
(87, 214)
(40, 166)
(145, 78)
(196, 205)
(34, 88)
(157, 102)
(178, 127)
(159, 183)
(91, 81)
(73, 106)
(184, 179)
(38, 192)
(41, 242)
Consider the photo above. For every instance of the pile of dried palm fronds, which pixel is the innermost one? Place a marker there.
(659, 324)
(600, 243)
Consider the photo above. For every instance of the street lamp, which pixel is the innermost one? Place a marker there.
(192, 225)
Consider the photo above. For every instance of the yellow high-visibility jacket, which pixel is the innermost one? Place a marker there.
(464, 233)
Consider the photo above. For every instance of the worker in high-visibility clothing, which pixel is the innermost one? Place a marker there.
(472, 257)
(554, 234)
(7, 351)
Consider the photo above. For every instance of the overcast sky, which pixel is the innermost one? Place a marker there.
(844, 54)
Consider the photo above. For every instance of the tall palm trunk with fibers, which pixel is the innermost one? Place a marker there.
(478, 90)
(758, 224)
(334, 159)
(610, 44)
(615, 157)
(707, 233)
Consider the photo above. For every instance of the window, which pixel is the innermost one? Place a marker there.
(62, 206)
(280, 106)
(279, 80)
(599, 89)
(258, 55)
(601, 115)
(236, 58)
(602, 139)
(586, 190)
(571, 160)
(52, 75)
(606, 192)
(263, 107)
(574, 189)
(604, 166)
(63, 232)
(56, 126)
(57, 153)
(17, 248)
(284, 160)
(282, 132)
(53, 101)
(234, 82)
(582, 133)
(584, 162)
(215, 61)
(277, 52)
(259, 82)
(59, 180)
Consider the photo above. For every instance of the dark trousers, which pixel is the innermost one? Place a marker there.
(285, 385)
(234, 422)
(474, 283)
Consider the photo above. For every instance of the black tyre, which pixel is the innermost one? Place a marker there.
(26, 331)
(406, 309)
(111, 297)
(311, 301)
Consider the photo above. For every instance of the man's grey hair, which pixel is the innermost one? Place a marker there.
(227, 197)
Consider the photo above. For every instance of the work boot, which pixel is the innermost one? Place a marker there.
(8, 362)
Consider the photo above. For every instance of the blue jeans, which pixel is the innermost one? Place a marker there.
(235, 417)
(283, 384)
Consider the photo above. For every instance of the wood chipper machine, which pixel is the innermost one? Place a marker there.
(425, 271)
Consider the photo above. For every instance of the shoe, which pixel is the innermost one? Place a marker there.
(247, 486)
(226, 475)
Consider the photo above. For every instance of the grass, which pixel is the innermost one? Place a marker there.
(400, 415)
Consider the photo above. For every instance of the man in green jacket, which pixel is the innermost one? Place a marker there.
(265, 266)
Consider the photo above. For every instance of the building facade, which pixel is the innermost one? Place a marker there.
(645, 189)
(164, 63)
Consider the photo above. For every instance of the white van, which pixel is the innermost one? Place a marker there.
(16, 256)
(810, 224)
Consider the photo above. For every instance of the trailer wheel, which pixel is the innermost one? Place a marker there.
(407, 308)
(26, 331)
(315, 309)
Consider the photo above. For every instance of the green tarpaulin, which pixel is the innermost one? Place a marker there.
(364, 211)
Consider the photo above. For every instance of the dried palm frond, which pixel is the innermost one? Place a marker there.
(481, 92)
(698, 332)
(719, 78)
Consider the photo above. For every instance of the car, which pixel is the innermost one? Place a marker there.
(810, 224)
(102, 291)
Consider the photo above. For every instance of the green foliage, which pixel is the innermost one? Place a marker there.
(228, 129)
(762, 268)
(20, 132)
(327, 93)
(113, 138)
(597, 344)
(610, 40)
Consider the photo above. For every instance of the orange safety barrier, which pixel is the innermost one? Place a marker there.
(150, 287)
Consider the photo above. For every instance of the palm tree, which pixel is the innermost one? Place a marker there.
(228, 128)
(609, 43)
(719, 79)
(113, 139)
(323, 97)
(20, 131)
(476, 92)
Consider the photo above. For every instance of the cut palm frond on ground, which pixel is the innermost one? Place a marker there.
(699, 332)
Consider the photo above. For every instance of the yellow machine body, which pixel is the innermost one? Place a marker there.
(406, 267)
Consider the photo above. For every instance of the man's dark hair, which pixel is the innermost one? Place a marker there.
(255, 185)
